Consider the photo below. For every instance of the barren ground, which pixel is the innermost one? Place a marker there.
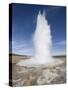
(42, 75)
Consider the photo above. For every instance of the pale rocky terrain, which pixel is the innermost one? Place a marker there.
(41, 75)
(14, 58)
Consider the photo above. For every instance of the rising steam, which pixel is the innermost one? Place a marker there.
(42, 40)
(42, 43)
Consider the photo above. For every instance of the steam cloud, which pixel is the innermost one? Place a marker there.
(42, 43)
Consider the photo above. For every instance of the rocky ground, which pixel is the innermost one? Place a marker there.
(41, 75)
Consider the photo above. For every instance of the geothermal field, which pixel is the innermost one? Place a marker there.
(42, 68)
(41, 75)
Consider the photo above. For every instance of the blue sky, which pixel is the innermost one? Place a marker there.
(24, 23)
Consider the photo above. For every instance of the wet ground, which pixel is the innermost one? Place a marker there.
(41, 75)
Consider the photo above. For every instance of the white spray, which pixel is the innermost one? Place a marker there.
(42, 43)
(43, 40)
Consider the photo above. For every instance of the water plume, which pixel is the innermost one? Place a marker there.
(43, 40)
(42, 43)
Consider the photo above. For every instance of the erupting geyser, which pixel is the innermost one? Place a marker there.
(42, 43)
(43, 40)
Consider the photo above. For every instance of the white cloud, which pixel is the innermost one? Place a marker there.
(22, 47)
(25, 50)
(61, 42)
(17, 44)
(59, 52)
(59, 48)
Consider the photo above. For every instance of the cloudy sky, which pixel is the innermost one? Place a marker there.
(24, 23)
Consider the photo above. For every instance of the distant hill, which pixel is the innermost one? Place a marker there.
(14, 58)
(18, 55)
(59, 56)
